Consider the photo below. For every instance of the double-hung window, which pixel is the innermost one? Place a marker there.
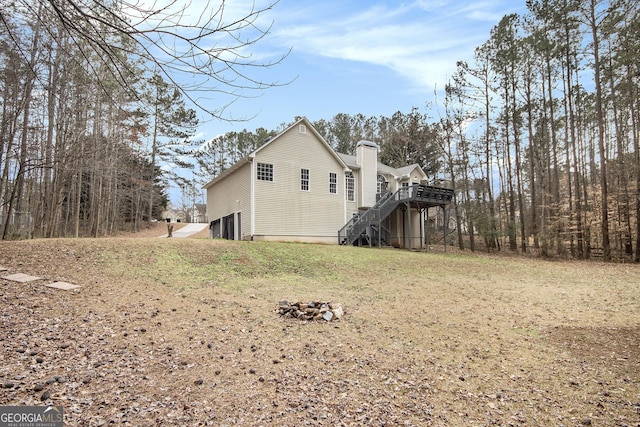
(349, 184)
(404, 189)
(382, 184)
(304, 179)
(333, 183)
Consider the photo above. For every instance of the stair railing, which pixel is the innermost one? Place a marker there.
(359, 224)
(385, 205)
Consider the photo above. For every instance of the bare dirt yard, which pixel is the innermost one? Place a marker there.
(183, 332)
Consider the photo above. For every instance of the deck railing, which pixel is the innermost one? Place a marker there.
(359, 225)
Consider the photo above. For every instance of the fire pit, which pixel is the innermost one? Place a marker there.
(313, 310)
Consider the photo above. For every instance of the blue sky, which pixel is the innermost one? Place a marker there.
(373, 57)
(369, 57)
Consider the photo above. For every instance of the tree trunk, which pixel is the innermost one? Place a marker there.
(602, 151)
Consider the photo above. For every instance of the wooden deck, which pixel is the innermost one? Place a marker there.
(418, 196)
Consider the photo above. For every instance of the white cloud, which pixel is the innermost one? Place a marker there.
(420, 41)
(432, 5)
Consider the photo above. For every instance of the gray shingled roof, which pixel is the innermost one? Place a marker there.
(352, 162)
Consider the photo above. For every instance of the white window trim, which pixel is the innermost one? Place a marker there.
(380, 183)
(308, 179)
(352, 178)
(273, 177)
(335, 184)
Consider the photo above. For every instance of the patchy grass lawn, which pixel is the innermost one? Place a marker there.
(183, 332)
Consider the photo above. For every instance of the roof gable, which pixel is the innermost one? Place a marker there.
(302, 121)
(352, 163)
(309, 127)
(406, 170)
(228, 172)
(347, 161)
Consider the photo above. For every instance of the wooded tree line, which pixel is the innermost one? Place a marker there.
(540, 132)
(92, 106)
(538, 135)
(70, 142)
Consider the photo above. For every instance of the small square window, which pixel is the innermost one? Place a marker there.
(264, 172)
(302, 129)
(304, 179)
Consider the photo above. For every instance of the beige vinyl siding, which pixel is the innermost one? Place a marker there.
(400, 237)
(352, 206)
(393, 183)
(230, 196)
(390, 182)
(367, 181)
(416, 177)
(412, 240)
(282, 209)
(356, 189)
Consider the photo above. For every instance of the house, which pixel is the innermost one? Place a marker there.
(295, 187)
(173, 214)
(198, 213)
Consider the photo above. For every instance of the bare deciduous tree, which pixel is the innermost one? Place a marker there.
(75, 118)
(209, 42)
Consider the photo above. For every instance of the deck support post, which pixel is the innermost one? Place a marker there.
(421, 219)
(426, 231)
(410, 228)
(408, 205)
(444, 227)
(419, 196)
(404, 228)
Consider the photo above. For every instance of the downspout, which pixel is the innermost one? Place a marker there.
(344, 189)
(421, 220)
(403, 229)
(252, 199)
(426, 230)
(445, 220)
(410, 228)
(395, 213)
